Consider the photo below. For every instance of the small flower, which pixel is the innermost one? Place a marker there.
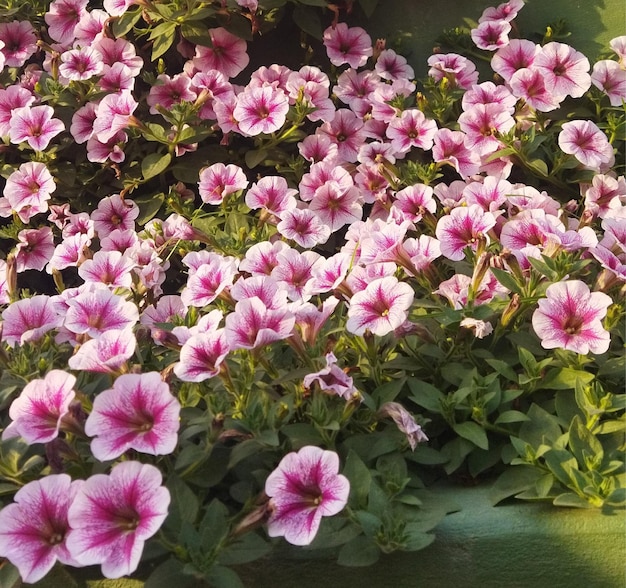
(570, 317)
(34, 249)
(37, 412)
(305, 487)
(112, 516)
(138, 413)
(332, 379)
(19, 42)
(33, 529)
(105, 354)
(465, 226)
(411, 129)
(491, 34)
(81, 64)
(29, 320)
(28, 190)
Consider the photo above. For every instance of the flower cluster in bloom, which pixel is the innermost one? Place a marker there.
(221, 260)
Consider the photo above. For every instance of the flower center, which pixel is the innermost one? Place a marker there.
(572, 325)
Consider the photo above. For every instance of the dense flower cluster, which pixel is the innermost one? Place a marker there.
(244, 302)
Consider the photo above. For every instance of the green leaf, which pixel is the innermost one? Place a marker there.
(163, 36)
(507, 280)
(388, 392)
(196, 32)
(154, 165)
(616, 498)
(149, 205)
(254, 157)
(308, 19)
(503, 368)
(561, 464)
(472, 432)
(425, 395)
(512, 481)
(583, 443)
(542, 425)
(539, 166)
(214, 525)
(184, 503)
(124, 23)
(415, 538)
(168, 574)
(247, 549)
(361, 551)
(571, 500)
(565, 379)
(360, 478)
(511, 416)
(9, 575)
(221, 577)
(369, 522)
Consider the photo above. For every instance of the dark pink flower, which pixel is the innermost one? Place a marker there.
(34, 249)
(62, 18)
(168, 91)
(391, 66)
(138, 413)
(112, 516)
(12, 98)
(113, 114)
(20, 42)
(458, 69)
(305, 487)
(33, 529)
(411, 129)
(587, 143)
(609, 77)
(201, 356)
(449, 147)
(381, 308)
(37, 412)
(505, 11)
(114, 212)
(518, 54)
(227, 54)
(108, 267)
(491, 34)
(570, 317)
(34, 125)
(351, 45)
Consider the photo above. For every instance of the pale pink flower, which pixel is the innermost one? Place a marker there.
(29, 320)
(79, 224)
(463, 227)
(34, 125)
(110, 150)
(218, 181)
(168, 91)
(411, 129)
(106, 354)
(405, 422)
(422, 251)
(480, 328)
(108, 267)
(303, 226)
(310, 319)
(112, 516)
(505, 11)
(305, 487)
(261, 110)
(262, 258)
(33, 528)
(81, 64)
(19, 42)
(82, 122)
(570, 317)
(351, 45)
(119, 51)
(587, 143)
(605, 194)
(332, 379)
(265, 288)
(294, 271)
(28, 190)
(4, 288)
(336, 206)
(610, 77)
(138, 413)
(315, 148)
(491, 34)
(381, 308)
(618, 44)
(458, 69)
(90, 27)
(490, 194)
(346, 131)
(12, 98)
(482, 123)
(414, 201)
(449, 147)
(565, 70)
(34, 249)
(116, 79)
(209, 280)
(113, 115)
(253, 325)
(227, 54)
(489, 93)
(114, 212)
(391, 66)
(518, 54)
(529, 84)
(272, 194)
(37, 412)
(320, 174)
(62, 18)
(97, 310)
(354, 88)
(201, 356)
(117, 7)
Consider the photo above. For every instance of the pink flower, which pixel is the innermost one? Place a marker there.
(80, 64)
(167, 92)
(218, 181)
(347, 45)
(209, 280)
(114, 212)
(33, 529)
(227, 54)
(586, 142)
(62, 18)
(34, 249)
(19, 40)
(518, 54)
(261, 110)
(119, 51)
(37, 412)
(272, 194)
(529, 84)
(609, 77)
(202, 355)
(463, 227)
(405, 422)
(28, 190)
(117, 7)
(391, 66)
(346, 131)
(456, 68)
(303, 226)
(29, 320)
(449, 147)
(505, 11)
(336, 206)
(138, 413)
(11, 99)
(106, 354)
(570, 317)
(35, 126)
(381, 308)
(294, 272)
(113, 115)
(411, 129)
(262, 258)
(414, 201)
(305, 487)
(482, 123)
(108, 267)
(112, 516)
(332, 379)
(565, 70)
(491, 34)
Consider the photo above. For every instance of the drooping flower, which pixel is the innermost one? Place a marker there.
(332, 379)
(105, 354)
(570, 317)
(380, 308)
(405, 422)
(351, 45)
(459, 70)
(112, 516)
(305, 487)
(33, 529)
(138, 413)
(37, 412)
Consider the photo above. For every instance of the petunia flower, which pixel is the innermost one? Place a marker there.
(106, 354)
(218, 181)
(81, 64)
(227, 54)
(332, 379)
(19, 42)
(28, 189)
(113, 515)
(114, 212)
(34, 249)
(570, 317)
(304, 226)
(34, 528)
(351, 45)
(411, 129)
(518, 54)
(29, 319)
(108, 267)
(37, 412)
(62, 18)
(608, 76)
(261, 110)
(272, 194)
(565, 70)
(587, 143)
(490, 35)
(34, 125)
(305, 487)
(405, 422)
(201, 356)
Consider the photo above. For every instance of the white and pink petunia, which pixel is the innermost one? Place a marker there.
(113, 515)
(108, 353)
(305, 487)
(138, 413)
(570, 317)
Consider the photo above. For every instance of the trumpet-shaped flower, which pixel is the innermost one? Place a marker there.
(272, 194)
(303, 226)
(20, 42)
(108, 267)
(81, 64)
(28, 190)
(34, 528)
(34, 249)
(105, 354)
(305, 487)
(565, 70)
(209, 280)
(332, 379)
(62, 18)
(112, 516)
(570, 317)
(586, 142)
(463, 227)
(261, 110)
(381, 308)
(202, 355)
(114, 212)
(37, 412)
(411, 129)
(608, 76)
(34, 125)
(138, 413)
(227, 54)
(218, 181)
(351, 45)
